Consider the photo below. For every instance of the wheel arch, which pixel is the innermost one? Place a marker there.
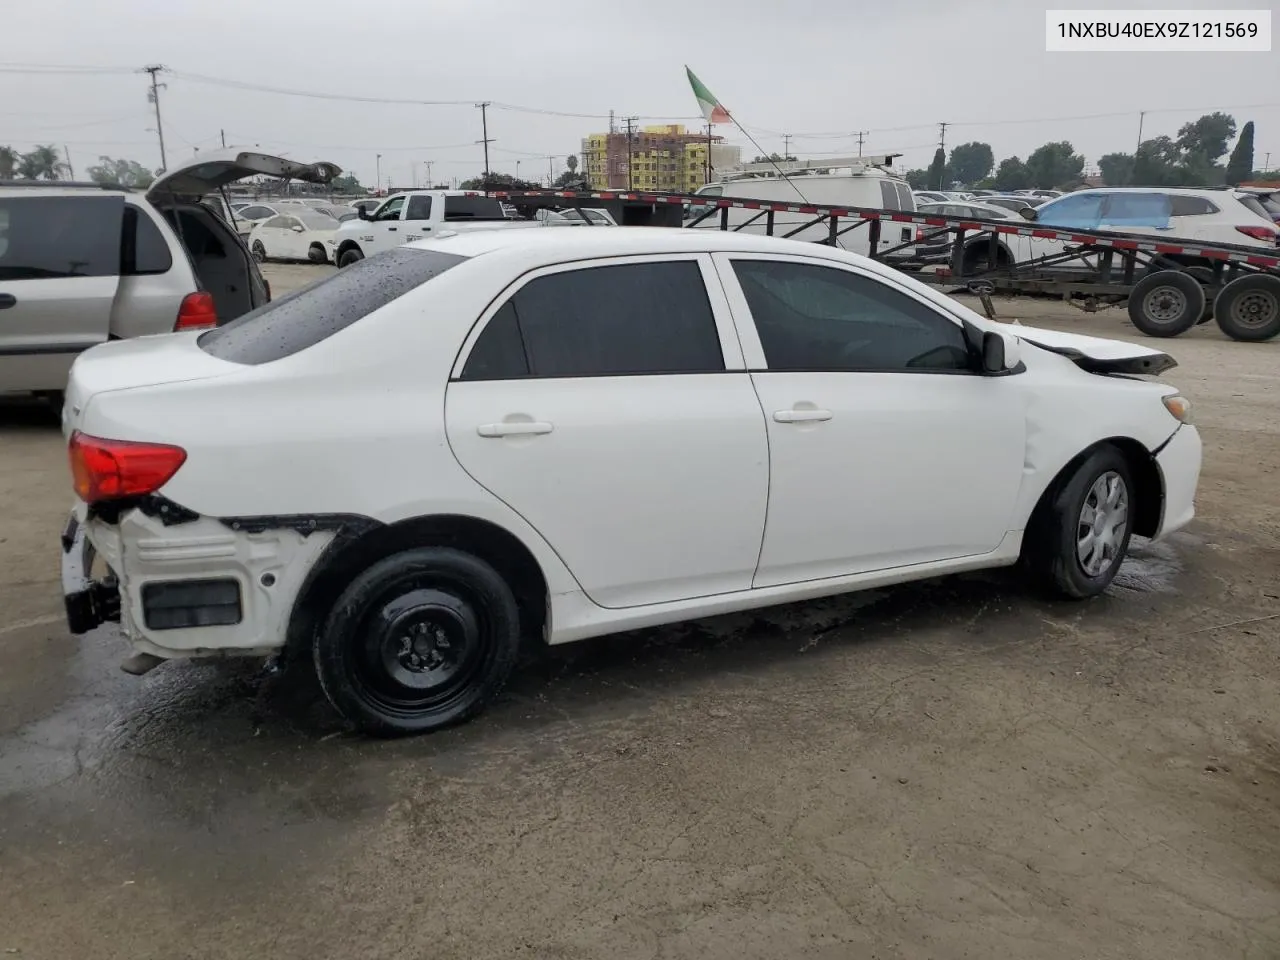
(356, 549)
(1145, 474)
(348, 244)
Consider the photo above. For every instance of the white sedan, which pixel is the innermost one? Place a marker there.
(295, 234)
(508, 434)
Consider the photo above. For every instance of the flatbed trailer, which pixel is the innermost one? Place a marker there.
(1169, 285)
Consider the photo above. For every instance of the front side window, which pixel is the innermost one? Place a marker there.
(812, 317)
(629, 319)
(390, 210)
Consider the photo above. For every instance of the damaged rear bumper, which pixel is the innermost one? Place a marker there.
(200, 587)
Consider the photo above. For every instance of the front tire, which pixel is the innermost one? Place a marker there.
(259, 251)
(1080, 533)
(422, 640)
(316, 254)
(348, 257)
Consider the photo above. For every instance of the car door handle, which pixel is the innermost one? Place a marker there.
(392, 229)
(7, 300)
(800, 416)
(515, 428)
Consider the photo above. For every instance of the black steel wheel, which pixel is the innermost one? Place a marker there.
(1079, 534)
(259, 251)
(421, 640)
(1248, 308)
(1166, 303)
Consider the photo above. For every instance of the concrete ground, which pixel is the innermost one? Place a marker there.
(946, 770)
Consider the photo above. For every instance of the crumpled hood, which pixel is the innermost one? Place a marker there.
(1095, 354)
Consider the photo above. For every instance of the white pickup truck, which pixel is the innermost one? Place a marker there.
(415, 215)
(429, 213)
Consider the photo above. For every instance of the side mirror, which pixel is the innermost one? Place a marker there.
(363, 214)
(296, 228)
(1027, 213)
(1001, 352)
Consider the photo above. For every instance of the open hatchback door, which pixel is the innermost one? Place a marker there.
(209, 172)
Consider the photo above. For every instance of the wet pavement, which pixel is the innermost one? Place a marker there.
(942, 770)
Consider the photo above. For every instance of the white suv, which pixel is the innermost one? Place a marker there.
(556, 434)
(1211, 216)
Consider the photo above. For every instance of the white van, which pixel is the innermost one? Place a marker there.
(839, 181)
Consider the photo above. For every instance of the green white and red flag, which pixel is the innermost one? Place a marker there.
(711, 108)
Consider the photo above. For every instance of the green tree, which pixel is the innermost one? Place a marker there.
(9, 160)
(571, 161)
(347, 183)
(1207, 136)
(917, 178)
(1012, 175)
(497, 181)
(42, 163)
(1116, 169)
(971, 162)
(772, 158)
(569, 179)
(1240, 166)
(938, 170)
(1157, 163)
(127, 173)
(1053, 164)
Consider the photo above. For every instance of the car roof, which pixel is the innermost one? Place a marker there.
(1181, 191)
(548, 245)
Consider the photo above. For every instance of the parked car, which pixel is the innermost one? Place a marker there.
(338, 213)
(250, 216)
(1212, 216)
(529, 421)
(578, 217)
(81, 264)
(1011, 203)
(368, 204)
(304, 234)
(979, 211)
(930, 196)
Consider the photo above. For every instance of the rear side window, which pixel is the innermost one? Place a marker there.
(889, 196)
(304, 317)
(419, 208)
(48, 238)
(473, 208)
(1190, 206)
(1253, 205)
(630, 319)
(143, 248)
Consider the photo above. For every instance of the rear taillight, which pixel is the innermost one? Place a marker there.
(197, 312)
(112, 469)
(1266, 234)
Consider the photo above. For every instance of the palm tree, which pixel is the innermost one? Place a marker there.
(42, 163)
(8, 163)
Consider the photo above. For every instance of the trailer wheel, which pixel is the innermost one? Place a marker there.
(1205, 276)
(1166, 303)
(1248, 308)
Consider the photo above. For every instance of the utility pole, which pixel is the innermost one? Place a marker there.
(484, 127)
(860, 134)
(223, 134)
(707, 173)
(377, 177)
(551, 172)
(1266, 162)
(154, 97)
(786, 146)
(71, 171)
(431, 183)
(630, 121)
(942, 145)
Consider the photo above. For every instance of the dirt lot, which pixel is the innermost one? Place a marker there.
(940, 771)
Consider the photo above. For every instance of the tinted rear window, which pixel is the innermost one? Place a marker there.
(1254, 206)
(305, 317)
(473, 208)
(43, 238)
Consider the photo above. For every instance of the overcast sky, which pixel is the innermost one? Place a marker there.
(805, 67)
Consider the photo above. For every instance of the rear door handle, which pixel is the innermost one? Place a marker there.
(517, 428)
(800, 416)
(391, 229)
(7, 300)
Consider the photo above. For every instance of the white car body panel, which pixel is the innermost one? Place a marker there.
(641, 506)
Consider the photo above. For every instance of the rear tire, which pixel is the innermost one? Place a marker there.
(1166, 303)
(1248, 308)
(1080, 532)
(259, 251)
(421, 640)
(349, 257)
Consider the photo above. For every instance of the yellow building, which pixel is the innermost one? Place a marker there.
(665, 158)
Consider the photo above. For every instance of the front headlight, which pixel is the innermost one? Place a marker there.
(1179, 406)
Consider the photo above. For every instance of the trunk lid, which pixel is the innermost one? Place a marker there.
(211, 171)
(136, 362)
(1096, 354)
